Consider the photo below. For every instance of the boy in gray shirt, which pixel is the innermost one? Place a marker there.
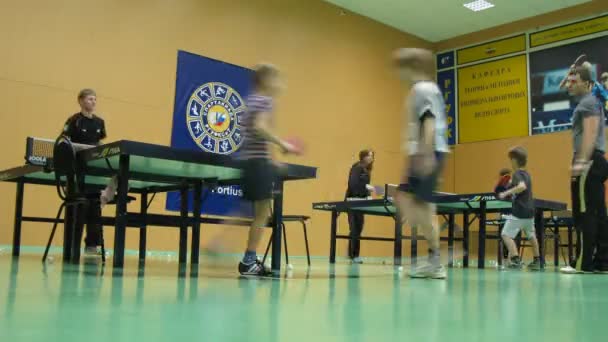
(522, 213)
(425, 150)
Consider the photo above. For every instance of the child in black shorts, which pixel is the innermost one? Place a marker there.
(259, 167)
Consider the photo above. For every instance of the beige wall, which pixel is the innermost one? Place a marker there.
(342, 95)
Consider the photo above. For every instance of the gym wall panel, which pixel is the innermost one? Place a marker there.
(342, 94)
(493, 100)
(493, 49)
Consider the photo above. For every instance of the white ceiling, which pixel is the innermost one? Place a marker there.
(437, 20)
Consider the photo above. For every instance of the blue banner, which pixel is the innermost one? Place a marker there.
(445, 60)
(551, 121)
(209, 102)
(447, 83)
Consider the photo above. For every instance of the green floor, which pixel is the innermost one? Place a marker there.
(345, 303)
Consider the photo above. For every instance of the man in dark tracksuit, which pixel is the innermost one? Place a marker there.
(87, 128)
(589, 172)
(359, 186)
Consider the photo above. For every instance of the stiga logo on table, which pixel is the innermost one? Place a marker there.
(107, 152)
(213, 116)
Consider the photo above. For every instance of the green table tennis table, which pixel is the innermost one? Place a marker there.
(471, 206)
(147, 169)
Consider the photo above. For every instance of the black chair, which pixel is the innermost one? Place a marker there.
(291, 218)
(69, 190)
(551, 233)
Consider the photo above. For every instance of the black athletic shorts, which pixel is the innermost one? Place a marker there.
(422, 187)
(259, 175)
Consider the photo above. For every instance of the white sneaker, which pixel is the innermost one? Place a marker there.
(106, 197)
(572, 270)
(429, 271)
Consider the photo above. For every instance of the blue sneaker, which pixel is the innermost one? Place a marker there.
(255, 268)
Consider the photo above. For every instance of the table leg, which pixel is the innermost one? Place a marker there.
(18, 218)
(277, 227)
(121, 212)
(196, 225)
(540, 234)
(500, 246)
(183, 227)
(398, 241)
(451, 219)
(143, 229)
(570, 244)
(556, 245)
(332, 238)
(481, 263)
(71, 224)
(465, 239)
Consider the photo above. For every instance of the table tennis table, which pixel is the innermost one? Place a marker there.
(145, 169)
(471, 206)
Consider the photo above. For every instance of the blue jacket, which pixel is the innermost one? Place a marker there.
(601, 93)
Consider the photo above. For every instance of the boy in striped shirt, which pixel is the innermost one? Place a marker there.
(259, 168)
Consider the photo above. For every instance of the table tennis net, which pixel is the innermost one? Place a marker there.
(39, 151)
(390, 191)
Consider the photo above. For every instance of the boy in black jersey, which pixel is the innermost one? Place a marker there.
(87, 128)
(522, 214)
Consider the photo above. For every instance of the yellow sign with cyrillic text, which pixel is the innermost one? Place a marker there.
(569, 31)
(493, 100)
(492, 49)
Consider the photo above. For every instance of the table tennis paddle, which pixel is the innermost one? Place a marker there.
(504, 180)
(580, 60)
(379, 190)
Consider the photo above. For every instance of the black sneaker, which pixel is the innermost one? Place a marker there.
(535, 265)
(515, 263)
(256, 268)
(600, 270)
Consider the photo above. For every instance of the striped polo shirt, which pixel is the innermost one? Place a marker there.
(254, 146)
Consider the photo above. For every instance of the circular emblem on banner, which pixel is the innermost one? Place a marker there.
(214, 115)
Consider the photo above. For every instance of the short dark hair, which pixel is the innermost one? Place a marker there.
(262, 72)
(86, 92)
(519, 154)
(504, 172)
(584, 73)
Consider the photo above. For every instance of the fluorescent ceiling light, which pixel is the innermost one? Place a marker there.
(478, 5)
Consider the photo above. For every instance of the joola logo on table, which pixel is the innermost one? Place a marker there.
(37, 160)
(213, 116)
(483, 198)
